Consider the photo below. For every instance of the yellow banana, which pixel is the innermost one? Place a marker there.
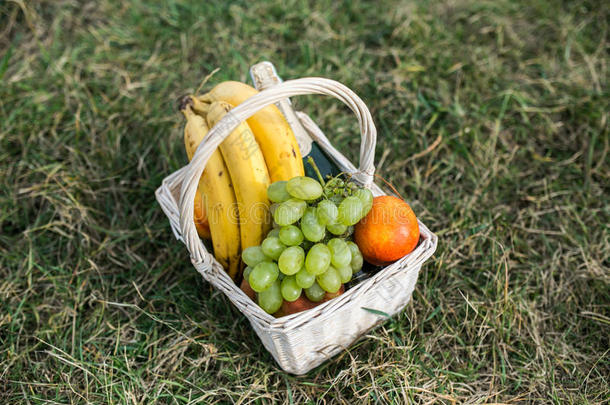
(195, 130)
(192, 139)
(218, 195)
(201, 217)
(249, 176)
(270, 128)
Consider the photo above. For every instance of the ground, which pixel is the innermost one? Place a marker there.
(493, 124)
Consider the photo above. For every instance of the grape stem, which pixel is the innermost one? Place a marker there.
(312, 163)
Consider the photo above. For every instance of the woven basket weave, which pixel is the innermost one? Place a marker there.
(299, 342)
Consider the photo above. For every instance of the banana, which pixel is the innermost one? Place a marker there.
(195, 130)
(216, 190)
(192, 138)
(201, 217)
(249, 176)
(271, 130)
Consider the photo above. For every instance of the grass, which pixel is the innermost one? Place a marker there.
(493, 124)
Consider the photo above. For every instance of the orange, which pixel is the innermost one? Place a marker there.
(388, 232)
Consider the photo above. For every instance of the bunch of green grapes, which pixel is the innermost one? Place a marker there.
(309, 249)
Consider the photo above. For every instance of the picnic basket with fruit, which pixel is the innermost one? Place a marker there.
(301, 241)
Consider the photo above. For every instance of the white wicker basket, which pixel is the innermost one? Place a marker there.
(301, 341)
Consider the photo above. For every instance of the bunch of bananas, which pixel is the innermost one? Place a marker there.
(231, 204)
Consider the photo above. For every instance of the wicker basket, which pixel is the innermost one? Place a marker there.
(299, 342)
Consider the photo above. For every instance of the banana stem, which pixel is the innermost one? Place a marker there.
(199, 107)
(312, 163)
(205, 98)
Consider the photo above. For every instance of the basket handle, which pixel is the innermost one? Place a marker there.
(226, 125)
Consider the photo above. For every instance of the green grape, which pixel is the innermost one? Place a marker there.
(315, 293)
(345, 274)
(274, 232)
(289, 212)
(291, 260)
(304, 187)
(277, 193)
(263, 275)
(246, 273)
(270, 300)
(327, 212)
(304, 279)
(357, 259)
(312, 229)
(336, 229)
(253, 255)
(290, 235)
(366, 197)
(329, 280)
(350, 210)
(341, 256)
(272, 247)
(290, 289)
(318, 259)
